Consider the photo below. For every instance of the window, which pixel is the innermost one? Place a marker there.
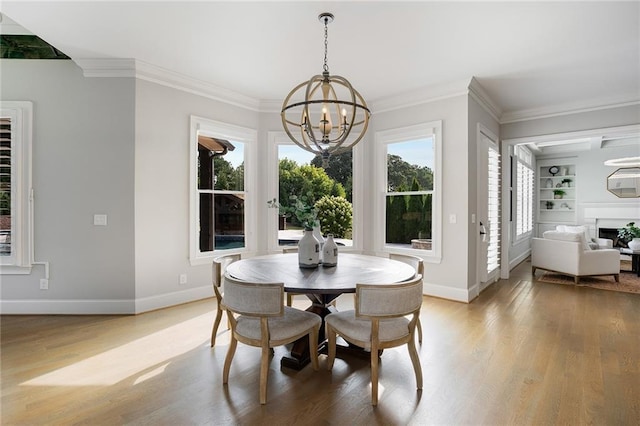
(219, 188)
(15, 187)
(299, 175)
(409, 211)
(524, 192)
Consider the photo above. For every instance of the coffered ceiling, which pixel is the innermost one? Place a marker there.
(531, 58)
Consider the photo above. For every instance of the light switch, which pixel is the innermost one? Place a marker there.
(473, 218)
(100, 219)
(453, 218)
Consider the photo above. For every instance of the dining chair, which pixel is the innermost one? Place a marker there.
(219, 265)
(418, 265)
(378, 322)
(259, 318)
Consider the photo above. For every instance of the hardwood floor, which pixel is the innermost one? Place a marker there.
(523, 353)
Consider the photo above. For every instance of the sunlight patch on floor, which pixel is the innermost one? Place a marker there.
(154, 351)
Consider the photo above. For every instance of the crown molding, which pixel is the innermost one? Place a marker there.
(134, 68)
(568, 109)
(420, 96)
(481, 96)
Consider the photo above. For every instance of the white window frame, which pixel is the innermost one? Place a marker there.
(276, 138)
(384, 138)
(523, 201)
(21, 259)
(229, 132)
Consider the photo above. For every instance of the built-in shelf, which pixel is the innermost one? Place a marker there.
(555, 207)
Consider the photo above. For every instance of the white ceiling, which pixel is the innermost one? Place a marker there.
(530, 57)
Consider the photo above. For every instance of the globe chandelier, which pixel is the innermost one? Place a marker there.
(325, 115)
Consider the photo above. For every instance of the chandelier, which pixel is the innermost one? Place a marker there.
(325, 115)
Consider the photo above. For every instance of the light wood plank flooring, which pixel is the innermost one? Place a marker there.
(523, 353)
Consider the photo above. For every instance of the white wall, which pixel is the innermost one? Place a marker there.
(450, 277)
(83, 144)
(162, 192)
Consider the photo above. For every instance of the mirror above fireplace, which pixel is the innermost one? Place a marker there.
(625, 182)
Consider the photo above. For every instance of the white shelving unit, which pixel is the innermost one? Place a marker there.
(557, 196)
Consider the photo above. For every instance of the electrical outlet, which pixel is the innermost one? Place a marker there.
(44, 284)
(183, 279)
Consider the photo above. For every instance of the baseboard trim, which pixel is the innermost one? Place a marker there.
(151, 303)
(103, 306)
(449, 293)
(67, 307)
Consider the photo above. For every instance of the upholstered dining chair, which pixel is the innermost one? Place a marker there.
(219, 265)
(418, 265)
(259, 318)
(379, 321)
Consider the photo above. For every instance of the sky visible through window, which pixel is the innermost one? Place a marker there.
(235, 157)
(418, 152)
(295, 153)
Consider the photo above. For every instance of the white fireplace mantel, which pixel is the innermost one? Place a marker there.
(609, 215)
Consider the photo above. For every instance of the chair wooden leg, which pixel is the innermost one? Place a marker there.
(228, 359)
(313, 343)
(419, 330)
(374, 375)
(289, 299)
(415, 360)
(331, 342)
(616, 277)
(264, 371)
(216, 324)
(375, 332)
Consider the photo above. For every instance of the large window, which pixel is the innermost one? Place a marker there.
(297, 179)
(410, 208)
(15, 187)
(327, 191)
(219, 188)
(524, 192)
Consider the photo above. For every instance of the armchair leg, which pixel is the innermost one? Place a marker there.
(331, 341)
(374, 375)
(228, 359)
(415, 360)
(264, 371)
(616, 277)
(419, 330)
(313, 343)
(216, 324)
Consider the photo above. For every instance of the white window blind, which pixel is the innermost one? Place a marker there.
(524, 193)
(493, 253)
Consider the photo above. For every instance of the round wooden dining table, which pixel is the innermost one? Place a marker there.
(321, 285)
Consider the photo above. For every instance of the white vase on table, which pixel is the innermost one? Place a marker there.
(308, 250)
(634, 244)
(330, 252)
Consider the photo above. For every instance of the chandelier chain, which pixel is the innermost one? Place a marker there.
(326, 44)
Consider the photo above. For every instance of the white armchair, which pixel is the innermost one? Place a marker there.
(568, 253)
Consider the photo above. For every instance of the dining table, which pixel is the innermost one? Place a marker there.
(321, 285)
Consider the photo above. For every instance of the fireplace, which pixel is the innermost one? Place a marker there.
(612, 234)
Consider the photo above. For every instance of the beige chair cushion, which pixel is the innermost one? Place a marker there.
(293, 322)
(360, 329)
